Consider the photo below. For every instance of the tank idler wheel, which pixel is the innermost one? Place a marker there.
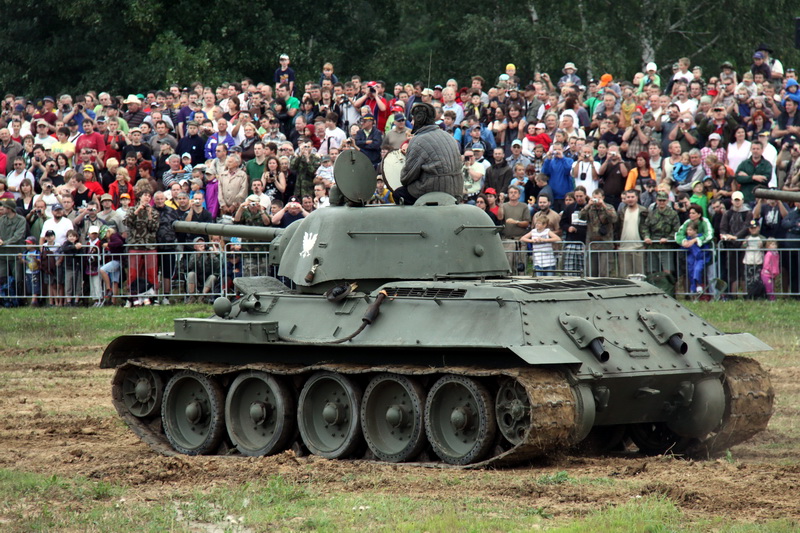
(392, 417)
(192, 413)
(459, 420)
(655, 438)
(259, 413)
(142, 390)
(513, 408)
(328, 415)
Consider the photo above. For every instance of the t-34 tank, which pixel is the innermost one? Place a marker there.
(406, 338)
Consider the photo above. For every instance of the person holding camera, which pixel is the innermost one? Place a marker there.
(252, 212)
(379, 107)
(637, 135)
(80, 113)
(600, 219)
(613, 173)
(586, 171)
(685, 132)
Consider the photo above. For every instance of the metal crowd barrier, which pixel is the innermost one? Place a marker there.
(177, 273)
(722, 270)
(169, 273)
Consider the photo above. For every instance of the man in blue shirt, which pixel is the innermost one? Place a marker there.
(558, 168)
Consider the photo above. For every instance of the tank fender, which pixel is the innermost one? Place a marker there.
(733, 343)
(128, 347)
(704, 413)
(546, 355)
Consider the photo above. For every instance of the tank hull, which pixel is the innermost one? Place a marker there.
(538, 365)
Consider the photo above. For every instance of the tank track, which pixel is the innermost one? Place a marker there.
(554, 405)
(750, 396)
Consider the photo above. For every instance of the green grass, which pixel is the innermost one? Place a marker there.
(44, 330)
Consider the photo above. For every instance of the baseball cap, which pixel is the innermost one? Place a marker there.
(186, 154)
(477, 146)
(51, 233)
(30, 240)
(650, 66)
(325, 158)
(540, 125)
(605, 79)
(490, 190)
(48, 99)
(437, 87)
(737, 196)
(368, 116)
(94, 229)
(124, 195)
(399, 116)
(516, 142)
(758, 55)
(105, 197)
(753, 224)
(661, 195)
(714, 136)
(88, 168)
(198, 239)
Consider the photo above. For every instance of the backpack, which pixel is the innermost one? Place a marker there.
(756, 290)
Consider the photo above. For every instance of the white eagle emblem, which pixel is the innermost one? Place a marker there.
(309, 239)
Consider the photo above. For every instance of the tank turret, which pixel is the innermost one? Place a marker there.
(371, 245)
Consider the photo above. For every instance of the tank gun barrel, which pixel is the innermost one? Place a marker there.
(228, 230)
(774, 194)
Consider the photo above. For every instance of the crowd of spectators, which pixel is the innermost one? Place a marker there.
(89, 176)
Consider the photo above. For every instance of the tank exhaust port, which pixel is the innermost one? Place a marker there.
(584, 334)
(663, 330)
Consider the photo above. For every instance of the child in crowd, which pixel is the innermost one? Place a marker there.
(72, 252)
(33, 275)
(699, 196)
(542, 239)
(771, 267)
(519, 178)
(52, 270)
(325, 171)
(696, 258)
(94, 259)
(186, 161)
(680, 170)
(753, 253)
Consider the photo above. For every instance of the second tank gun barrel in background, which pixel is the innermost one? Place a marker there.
(228, 230)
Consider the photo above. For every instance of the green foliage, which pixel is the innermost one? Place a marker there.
(138, 45)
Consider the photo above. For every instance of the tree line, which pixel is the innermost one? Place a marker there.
(124, 46)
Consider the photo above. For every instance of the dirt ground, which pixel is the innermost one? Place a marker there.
(57, 419)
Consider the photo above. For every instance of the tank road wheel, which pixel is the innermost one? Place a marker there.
(327, 415)
(259, 413)
(392, 417)
(192, 413)
(513, 408)
(655, 438)
(459, 420)
(141, 391)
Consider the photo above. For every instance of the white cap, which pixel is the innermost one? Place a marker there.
(94, 229)
(650, 66)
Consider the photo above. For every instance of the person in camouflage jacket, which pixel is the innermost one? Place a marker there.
(142, 222)
(305, 165)
(659, 229)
